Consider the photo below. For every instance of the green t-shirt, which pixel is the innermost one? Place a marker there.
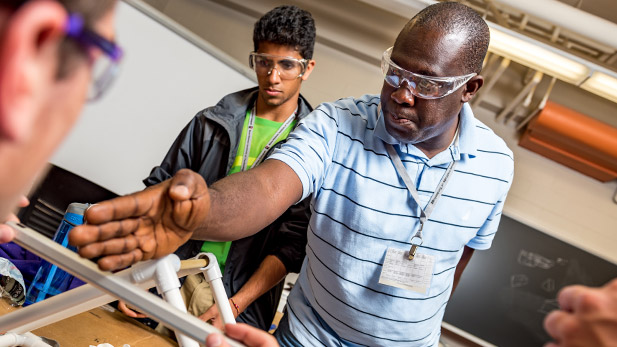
(263, 131)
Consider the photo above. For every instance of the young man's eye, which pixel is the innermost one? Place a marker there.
(263, 62)
(287, 64)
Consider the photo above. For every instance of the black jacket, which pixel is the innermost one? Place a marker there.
(208, 146)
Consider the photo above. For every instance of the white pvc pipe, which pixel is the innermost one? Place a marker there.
(118, 287)
(55, 308)
(213, 275)
(71, 303)
(26, 340)
(169, 286)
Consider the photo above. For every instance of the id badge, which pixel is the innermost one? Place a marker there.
(414, 275)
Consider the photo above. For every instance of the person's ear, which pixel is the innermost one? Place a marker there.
(471, 88)
(309, 68)
(29, 56)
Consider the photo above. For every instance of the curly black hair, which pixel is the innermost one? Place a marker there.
(287, 25)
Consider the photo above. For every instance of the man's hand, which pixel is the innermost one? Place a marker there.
(213, 316)
(248, 335)
(124, 308)
(588, 317)
(144, 225)
(6, 232)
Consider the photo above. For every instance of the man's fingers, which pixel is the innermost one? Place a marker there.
(124, 309)
(215, 340)
(109, 247)
(186, 185)
(23, 201)
(129, 206)
(560, 324)
(120, 261)
(249, 335)
(218, 323)
(6, 233)
(86, 234)
(573, 298)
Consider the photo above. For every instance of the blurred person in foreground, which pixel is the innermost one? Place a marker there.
(49, 51)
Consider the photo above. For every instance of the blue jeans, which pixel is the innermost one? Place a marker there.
(284, 336)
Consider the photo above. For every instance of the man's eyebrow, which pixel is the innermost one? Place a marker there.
(425, 72)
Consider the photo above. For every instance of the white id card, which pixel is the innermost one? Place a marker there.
(398, 271)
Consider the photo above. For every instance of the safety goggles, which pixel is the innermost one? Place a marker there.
(288, 68)
(425, 87)
(104, 66)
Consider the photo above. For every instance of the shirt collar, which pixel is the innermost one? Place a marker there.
(467, 143)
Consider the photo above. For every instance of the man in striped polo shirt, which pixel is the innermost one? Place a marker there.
(405, 186)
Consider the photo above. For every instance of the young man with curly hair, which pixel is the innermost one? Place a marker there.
(233, 136)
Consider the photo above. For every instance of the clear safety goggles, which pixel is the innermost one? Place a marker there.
(288, 68)
(425, 87)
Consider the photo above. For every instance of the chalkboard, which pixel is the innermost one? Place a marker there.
(506, 291)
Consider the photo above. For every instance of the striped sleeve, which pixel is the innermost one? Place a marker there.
(309, 148)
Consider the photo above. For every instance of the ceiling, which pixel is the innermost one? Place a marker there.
(606, 9)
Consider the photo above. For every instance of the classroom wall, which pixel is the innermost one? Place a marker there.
(351, 36)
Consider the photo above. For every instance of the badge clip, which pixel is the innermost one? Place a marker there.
(414, 247)
(412, 251)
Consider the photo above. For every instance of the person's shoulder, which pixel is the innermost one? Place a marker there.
(231, 105)
(489, 138)
(240, 98)
(352, 109)
(493, 150)
(364, 102)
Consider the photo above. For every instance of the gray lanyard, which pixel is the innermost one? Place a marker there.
(249, 136)
(424, 213)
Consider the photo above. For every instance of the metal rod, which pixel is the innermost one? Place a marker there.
(517, 99)
(540, 106)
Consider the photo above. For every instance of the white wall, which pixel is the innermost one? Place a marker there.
(163, 82)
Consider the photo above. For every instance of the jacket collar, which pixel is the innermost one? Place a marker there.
(233, 107)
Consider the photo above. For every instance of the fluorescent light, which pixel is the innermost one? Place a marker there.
(603, 85)
(537, 56)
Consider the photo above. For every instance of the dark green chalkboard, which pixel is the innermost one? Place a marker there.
(506, 291)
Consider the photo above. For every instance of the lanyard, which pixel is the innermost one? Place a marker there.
(249, 136)
(424, 213)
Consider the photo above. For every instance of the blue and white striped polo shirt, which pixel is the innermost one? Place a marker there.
(360, 207)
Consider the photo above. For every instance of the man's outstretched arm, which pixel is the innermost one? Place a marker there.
(156, 221)
(246, 202)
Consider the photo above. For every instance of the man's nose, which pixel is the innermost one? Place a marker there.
(274, 77)
(402, 94)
